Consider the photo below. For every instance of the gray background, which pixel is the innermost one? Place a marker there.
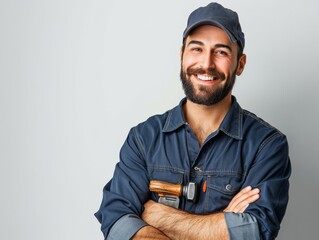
(76, 75)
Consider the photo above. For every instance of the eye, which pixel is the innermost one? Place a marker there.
(196, 49)
(221, 52)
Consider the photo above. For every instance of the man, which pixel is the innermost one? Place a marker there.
(239, 162)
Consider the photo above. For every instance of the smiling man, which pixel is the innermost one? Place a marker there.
(239, 162)
(205, 56)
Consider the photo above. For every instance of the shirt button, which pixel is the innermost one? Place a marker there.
(228, 187)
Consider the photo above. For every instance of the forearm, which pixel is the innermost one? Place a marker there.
(181, 225)
(177, 224)
(149, 233)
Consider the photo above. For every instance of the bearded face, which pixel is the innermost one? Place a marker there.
(210, 63)
(205, 94)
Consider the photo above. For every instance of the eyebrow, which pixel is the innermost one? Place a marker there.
(218, 45)
(195, 42)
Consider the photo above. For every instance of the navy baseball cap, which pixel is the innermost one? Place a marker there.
(216, 15)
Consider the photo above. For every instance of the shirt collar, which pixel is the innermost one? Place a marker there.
(231, 125)
(175, 118)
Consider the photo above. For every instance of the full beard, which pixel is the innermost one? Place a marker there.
(206, 95)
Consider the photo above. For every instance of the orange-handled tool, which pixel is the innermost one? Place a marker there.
(169, 193)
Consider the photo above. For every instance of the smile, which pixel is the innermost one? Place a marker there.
(205, 77)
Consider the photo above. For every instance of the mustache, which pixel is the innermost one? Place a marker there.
(208, 71)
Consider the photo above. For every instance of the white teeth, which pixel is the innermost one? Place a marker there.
(205, 77)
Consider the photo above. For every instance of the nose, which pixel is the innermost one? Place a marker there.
(208, 60)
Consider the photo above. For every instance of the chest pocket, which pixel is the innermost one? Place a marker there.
(221, 188)
(165, 173)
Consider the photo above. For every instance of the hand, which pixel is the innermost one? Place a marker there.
(242, 200)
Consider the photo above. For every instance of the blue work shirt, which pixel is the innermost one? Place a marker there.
(244, 151)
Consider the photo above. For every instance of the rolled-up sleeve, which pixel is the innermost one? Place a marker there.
(242, 226)
(132, 224)
(124, 196)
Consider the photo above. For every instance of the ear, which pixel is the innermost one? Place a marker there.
(241, 65)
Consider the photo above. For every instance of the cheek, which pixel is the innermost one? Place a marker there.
(235, 65)
(188, 60)
(224, 66)
(228, 67)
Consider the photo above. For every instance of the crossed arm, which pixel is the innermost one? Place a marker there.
(170, 223)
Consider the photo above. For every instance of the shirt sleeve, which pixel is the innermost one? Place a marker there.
(127, 191)
(132, 224)
(242, 226)
(270, 172)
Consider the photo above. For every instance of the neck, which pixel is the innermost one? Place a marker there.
(206, 119)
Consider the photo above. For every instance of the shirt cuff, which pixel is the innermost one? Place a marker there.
(125, 227)
(242, 226)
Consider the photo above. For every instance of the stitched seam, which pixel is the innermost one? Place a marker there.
(221, 189)
(138, 143)
(240, 126)
(261, 121)
(267, 140)
(228, 173)
(165, 168)
(167, 121)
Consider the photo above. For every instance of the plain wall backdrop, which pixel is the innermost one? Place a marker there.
(76, 75)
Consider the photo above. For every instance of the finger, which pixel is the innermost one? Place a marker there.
(242, 206)
(243, 199)
(240, 194)
(241, 210)
(246, 196)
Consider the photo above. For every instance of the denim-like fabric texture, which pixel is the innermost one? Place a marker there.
(244, 151)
